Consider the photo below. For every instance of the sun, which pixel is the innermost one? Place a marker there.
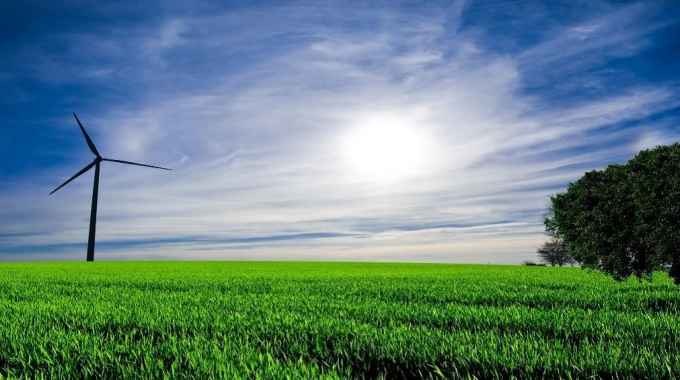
(386, 149)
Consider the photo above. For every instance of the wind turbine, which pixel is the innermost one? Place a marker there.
(95, 191)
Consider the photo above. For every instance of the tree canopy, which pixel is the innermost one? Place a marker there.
(624, 220)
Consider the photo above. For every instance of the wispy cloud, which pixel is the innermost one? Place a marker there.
(250, 107)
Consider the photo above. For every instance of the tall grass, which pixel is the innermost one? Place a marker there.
(332, 320)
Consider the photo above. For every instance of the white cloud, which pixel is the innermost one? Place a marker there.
(256, 152)
(170, 36)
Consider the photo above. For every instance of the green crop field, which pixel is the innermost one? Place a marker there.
(332, 320)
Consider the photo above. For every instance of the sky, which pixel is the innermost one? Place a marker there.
(430, 131)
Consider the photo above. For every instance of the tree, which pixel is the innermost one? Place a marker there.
(655, 183)
(554, 252)
(624, 220)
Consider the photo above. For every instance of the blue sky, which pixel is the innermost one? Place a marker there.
(321, 130)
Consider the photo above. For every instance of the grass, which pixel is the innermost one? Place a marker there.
(332, 320)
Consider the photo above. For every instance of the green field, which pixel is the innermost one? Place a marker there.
(332, 320)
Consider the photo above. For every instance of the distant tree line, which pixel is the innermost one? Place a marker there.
(623, 220)
(530, 263)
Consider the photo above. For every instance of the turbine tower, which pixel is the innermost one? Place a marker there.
(95, 191)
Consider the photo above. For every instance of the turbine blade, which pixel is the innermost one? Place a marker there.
(134, 163)
(83, 170)
(87, 137)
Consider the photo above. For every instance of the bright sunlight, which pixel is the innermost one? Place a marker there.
(386, 149)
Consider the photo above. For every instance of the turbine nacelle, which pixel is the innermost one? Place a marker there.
(95, 191)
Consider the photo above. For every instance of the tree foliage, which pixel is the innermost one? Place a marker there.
(554, 252)
(625, 219)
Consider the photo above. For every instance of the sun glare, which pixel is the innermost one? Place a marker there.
(386, 149)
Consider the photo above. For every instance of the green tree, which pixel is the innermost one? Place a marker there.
(624, 220)
(655, 183)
